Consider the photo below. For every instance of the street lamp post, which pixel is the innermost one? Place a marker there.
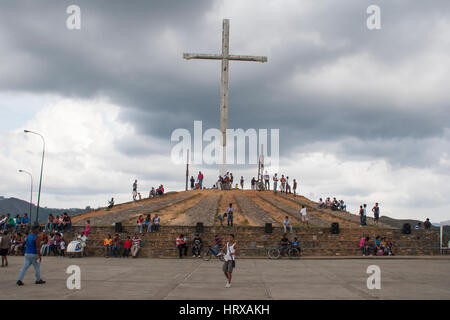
(42, 168)
(31, 192)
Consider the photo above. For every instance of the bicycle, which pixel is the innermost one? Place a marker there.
(292, 253)
(209, 253)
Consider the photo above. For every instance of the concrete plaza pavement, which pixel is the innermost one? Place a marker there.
(191, 278)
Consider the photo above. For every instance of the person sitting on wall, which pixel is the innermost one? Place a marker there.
(284, 244)
(342, 205)
(295, 244)
(155, 223)
(328, 203)
(320, 204)
(216, 245)
(181, 246)
(160, 190)
(196, 246)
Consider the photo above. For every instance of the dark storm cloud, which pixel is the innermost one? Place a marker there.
(130, 51)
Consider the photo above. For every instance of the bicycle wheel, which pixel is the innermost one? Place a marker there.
(274, 253)
(294, 254)
(208, 255)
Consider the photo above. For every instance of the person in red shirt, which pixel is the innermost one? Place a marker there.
(200, 179)
(283, 183)
(126, 247)
(140, 223)
(181, 245)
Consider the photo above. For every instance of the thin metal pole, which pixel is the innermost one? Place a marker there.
(187, 169)
(42, 169)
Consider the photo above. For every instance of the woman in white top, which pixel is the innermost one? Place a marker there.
(229, 257)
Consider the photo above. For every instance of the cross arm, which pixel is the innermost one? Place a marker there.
(247, 58)
(190, 56)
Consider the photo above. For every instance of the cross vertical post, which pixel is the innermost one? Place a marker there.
(225, 57)
(224, 94)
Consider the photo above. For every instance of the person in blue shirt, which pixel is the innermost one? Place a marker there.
(295, 244)
(32, 257)
(25, 221)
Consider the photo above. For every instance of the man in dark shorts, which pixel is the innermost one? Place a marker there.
(376, 213)
(230, 250)
(4, 246)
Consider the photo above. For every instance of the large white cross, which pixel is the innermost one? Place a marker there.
(225, 57)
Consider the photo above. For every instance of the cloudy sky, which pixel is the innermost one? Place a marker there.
(363, 114)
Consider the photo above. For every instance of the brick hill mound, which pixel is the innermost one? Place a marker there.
(181, 211)
(252, 208)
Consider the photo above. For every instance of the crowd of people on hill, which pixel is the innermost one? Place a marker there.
(334, 205)
(138, 196)
(152, 193)
(226, 182)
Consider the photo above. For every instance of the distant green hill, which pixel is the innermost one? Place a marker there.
(16, 206)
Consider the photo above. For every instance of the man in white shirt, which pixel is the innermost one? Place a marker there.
(266, 181)
(303, 215)
(231, 249)
(288, 186)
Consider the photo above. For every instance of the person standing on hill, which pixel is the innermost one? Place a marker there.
(230, 212)
(288, 186)
(266, 181)
(32, 257)
(283, 183)
(135, 186)
(192, 183)
(427, 224)
(303, 215)
(361, 216)
(275, 182)
(294, 187)
(242, 182)
(376, 213)
(200, 180)
(253, 183)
